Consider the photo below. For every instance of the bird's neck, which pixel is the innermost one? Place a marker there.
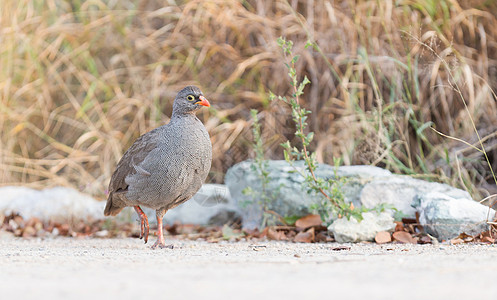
(182, 111)
(182, 114)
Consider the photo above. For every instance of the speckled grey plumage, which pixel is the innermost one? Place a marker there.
(166, 166)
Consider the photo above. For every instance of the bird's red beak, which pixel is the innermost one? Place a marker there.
(203, 101)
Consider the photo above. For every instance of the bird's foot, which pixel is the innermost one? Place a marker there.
(144, 227)
(161, 244)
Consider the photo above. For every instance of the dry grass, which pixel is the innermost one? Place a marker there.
(79, 82)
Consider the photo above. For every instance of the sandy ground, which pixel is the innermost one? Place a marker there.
(65, 268)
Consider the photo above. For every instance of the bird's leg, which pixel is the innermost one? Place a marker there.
(161, 243)
(143, 223)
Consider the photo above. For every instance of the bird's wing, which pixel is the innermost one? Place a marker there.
(129, 163)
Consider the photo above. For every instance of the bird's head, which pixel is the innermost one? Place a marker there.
(189, 100)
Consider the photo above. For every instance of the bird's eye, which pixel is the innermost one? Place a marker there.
(190, 97)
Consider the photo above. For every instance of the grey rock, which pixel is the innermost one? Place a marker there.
(364, 172)
(401, 191)
(286, 187)
(357, 177)
(364, 186)
(353, 231)
(445, 216)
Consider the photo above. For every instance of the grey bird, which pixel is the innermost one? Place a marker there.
(164, 167)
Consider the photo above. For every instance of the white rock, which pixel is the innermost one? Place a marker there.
(401, 191)
(58, 204)
(211, 205)
(346, 231)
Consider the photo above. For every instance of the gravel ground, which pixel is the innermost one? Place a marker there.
(65, 268)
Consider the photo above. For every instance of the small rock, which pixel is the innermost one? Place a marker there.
(102, 233)
(28, 231)
(55, 231)
(446, 217)
(354, 231)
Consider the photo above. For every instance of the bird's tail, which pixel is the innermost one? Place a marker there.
(111, 208)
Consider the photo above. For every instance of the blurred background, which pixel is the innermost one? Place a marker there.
(81, 80)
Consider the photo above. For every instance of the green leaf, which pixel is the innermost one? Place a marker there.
(87, 102)
(306, 80)
(287, 156)
(247, 191)
(271, 96)
(286, 145)
(294, 59)
(310, 136)
(300, 89)
(420, 129)
(290, 220)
